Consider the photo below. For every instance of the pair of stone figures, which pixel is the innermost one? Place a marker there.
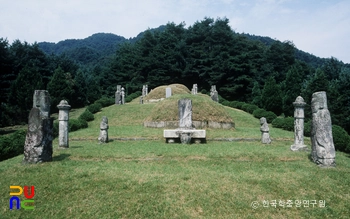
(323, 150)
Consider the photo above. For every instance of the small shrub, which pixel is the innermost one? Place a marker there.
(236, 104)
(55, 129)
(105, 101)
(76, 124)
(284, 123)
(204, 91)
(307, 129)
(249, 108)
(94, 108)
(226, 103)
(270, 116)
(132, 96)
(87, 116)
(12, 145)
(341, 139)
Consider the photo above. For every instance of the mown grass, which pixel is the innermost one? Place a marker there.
(152, 179)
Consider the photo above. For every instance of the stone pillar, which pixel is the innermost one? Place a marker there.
(323, 151)
(103, 138)
(123, 96)
(118, 95)
(63, 118)
(299, 105)
(265, 135)
(38, 143)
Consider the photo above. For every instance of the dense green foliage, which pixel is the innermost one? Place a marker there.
(341, 139)
(12, 145)
(284, 123)
(251, 69)
(87, 116)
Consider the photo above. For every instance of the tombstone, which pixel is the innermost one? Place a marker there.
(185, 113)
(194, 90)
(167, 92)
(214, 94)
(265, 136)
(323, 151)
(299, 105)
(186, 131)
(146, 89)
(122, 96)
(38, 143)
(118, 95)
(63, 117)
(103, 138)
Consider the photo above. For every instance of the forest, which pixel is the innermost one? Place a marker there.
(247, 68)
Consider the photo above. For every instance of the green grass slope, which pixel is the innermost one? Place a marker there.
(152, 179)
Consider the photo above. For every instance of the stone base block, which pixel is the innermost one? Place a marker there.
(173, 135)
(298, 148)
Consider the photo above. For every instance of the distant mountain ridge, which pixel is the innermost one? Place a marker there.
(100, 46)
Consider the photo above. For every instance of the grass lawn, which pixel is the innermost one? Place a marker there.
(152, 179)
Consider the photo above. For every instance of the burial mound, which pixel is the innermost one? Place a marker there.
(206, 113)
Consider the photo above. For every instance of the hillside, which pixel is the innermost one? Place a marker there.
(240, 178)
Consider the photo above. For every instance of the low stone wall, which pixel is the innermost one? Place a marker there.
(196, 124)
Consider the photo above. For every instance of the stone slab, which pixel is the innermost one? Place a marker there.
(174, 133)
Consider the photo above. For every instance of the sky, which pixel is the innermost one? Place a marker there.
(319, 27)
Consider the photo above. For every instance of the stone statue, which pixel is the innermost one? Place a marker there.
(323, 151)
(265, 136)
(38, 143)
(103, 138)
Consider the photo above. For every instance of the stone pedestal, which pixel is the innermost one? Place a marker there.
(63, 118)
(38, 143)
(299, 145)
(323, 151)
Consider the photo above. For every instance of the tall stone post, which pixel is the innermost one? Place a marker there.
(118, 95)
(63, 117)
(299, 105)
(123, 96)
(38, 143)
(323, 151)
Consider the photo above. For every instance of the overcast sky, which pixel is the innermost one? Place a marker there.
(320, 27)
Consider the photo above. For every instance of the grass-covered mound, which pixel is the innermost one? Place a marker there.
(203, 109)
(159, 92)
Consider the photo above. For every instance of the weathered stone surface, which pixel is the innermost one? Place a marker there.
(144, 90)
(103, 138)
(185, 113)
(38, 143)
(214, 94)
(118, 94)
(167, 92)
(323, 151)
(63, 118)
(41, 100)
(194, 90)
(299, 105)
(265, 135)
(174, 133)
(123, 96)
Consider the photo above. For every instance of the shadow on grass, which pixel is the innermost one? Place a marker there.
(75, 146)
(60, 157)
